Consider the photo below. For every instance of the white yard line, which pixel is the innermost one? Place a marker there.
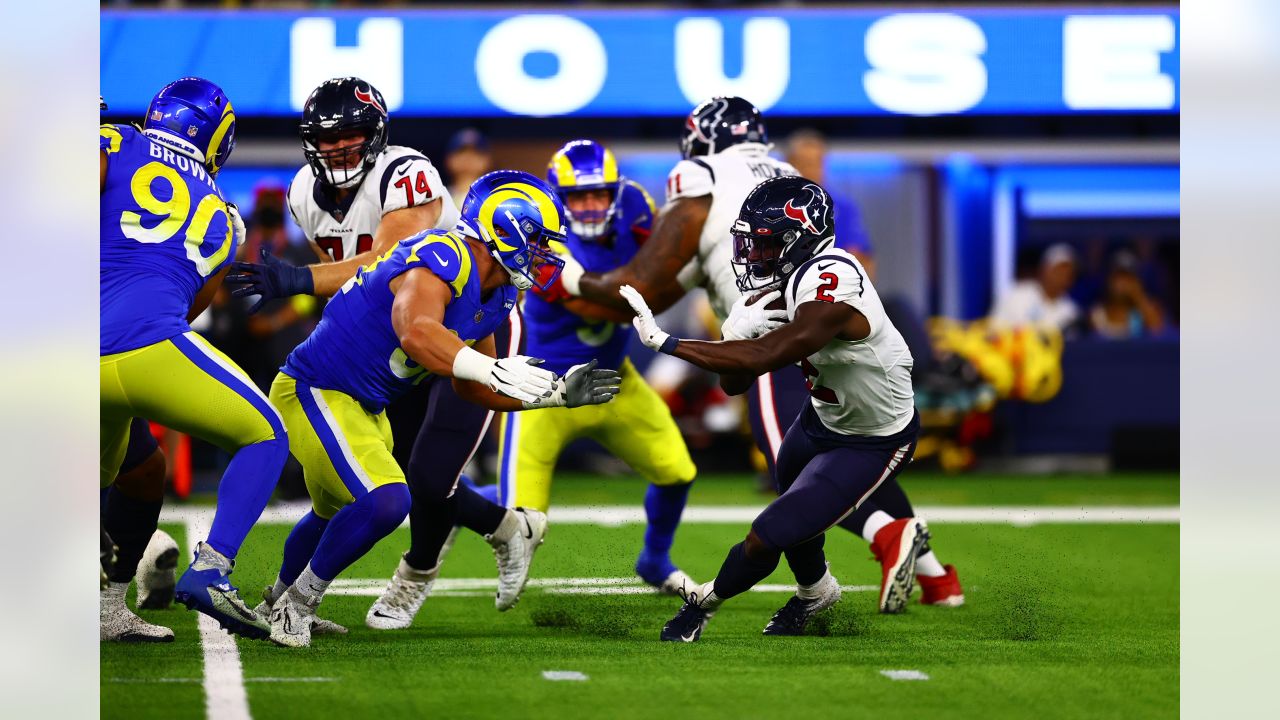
(224, 693)
(611, 516)
(145, 681)
(484, 587)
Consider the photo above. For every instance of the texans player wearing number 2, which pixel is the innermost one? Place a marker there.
(167, 238)
(860, 427)
(725, 147)
(355, 199)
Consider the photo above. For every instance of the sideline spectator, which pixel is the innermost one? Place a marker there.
(1042, 300)
(807, 152)
(466, 158)
(1126, 310)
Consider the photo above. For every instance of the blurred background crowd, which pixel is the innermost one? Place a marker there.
(1030, 256)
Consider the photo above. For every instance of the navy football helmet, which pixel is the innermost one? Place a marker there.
(783, 222)
(337, 106)
(720, 123)
(586, 165)
(516, 215)
(194, 117)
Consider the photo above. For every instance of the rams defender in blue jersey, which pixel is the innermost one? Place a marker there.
(416, 311)
(609, 218)
(167, 237)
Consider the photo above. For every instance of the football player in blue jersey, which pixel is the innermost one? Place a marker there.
(609, 218)
(428, 306)
(167, 238)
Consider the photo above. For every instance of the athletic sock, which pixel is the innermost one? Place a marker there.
(509, 525)
(356, 528)
(476, 512)
(299, 548)
(663, 506)
(814, 590)
(928, 565)
(130, 522)
(310, 585)
(874, 524)
(430, 522)
(807, 560)
(244, 491)
(740, 573)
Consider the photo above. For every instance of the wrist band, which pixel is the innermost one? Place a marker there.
(669, 345)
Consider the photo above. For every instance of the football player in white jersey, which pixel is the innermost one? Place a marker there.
(726, 154)
(860, 427)
(355, 199)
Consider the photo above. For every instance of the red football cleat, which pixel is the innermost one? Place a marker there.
(942, 591)
(896, 546)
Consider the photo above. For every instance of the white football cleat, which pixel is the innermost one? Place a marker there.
(514, 543)
(319, 626)
(117, 623)
(402, 598)
(157, 572)
(291, 619)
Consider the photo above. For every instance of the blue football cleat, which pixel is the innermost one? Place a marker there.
(654, 570)
(206, 588)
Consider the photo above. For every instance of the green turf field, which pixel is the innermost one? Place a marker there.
(1062, 621)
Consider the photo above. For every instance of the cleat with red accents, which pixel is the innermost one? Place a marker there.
(944, 591)
(896, 546)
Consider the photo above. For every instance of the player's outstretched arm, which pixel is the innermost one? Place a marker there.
(582, 385)
(328, 278)
(656, 266)
(815, 324)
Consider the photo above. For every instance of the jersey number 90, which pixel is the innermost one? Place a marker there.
(175, 214)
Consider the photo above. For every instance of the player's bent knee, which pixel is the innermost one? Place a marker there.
(390, 503)
(144, 481)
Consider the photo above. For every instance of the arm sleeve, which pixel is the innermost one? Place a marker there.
(690, 178)
(408, 181)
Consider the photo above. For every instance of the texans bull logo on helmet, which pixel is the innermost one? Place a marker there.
(802, 215)
(366, 96)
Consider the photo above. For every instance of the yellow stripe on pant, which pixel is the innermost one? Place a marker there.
(636, 426)
(344, 450)
(186, 384)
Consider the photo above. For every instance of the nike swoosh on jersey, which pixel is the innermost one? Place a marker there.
(443, 262)
(403, 169)
(824, 267)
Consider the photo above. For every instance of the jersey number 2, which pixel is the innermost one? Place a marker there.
(333, 245)
(419, 185)
(824, 290)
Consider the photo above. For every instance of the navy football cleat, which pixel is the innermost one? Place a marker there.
(687, 625)
(205, 588)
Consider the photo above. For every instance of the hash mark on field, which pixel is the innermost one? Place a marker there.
(904, 674)
(555, 675)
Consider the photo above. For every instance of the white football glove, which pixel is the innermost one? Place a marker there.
(571, 274)
(237, 224)
(517, 376)
(746, 322)
(650, 334)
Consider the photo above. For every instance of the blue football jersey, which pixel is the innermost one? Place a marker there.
(165, 229)
(355, 348)
(566, 339)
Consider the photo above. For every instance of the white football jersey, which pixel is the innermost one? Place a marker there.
(401, 177)
(728, 177)
(861, 387)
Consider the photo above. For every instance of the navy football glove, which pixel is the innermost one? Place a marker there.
(274, 278)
